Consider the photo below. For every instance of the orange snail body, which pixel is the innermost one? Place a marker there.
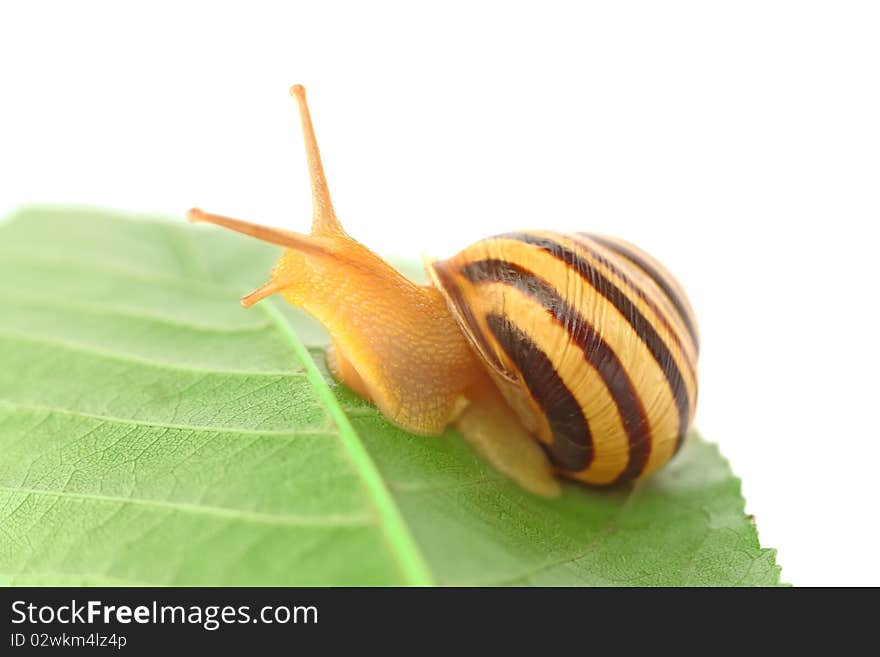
(552, 354)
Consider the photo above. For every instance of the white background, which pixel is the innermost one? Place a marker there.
(739, 142)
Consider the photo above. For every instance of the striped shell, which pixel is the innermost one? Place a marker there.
(591, 341)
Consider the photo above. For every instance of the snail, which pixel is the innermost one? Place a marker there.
(553, 354)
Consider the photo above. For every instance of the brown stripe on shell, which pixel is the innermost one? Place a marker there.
(639, 323)
(675, 334)
(583, 334)
(572, 447)
(658, 277)
(466, 314)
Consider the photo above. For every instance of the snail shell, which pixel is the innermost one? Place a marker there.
(590, 340)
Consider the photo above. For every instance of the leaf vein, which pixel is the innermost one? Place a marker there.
(322, 520)
(127, 358)
(280, 433)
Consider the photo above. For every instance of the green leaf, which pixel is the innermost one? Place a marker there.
(154, 432)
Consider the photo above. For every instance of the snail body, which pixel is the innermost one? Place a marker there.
(569, 354)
